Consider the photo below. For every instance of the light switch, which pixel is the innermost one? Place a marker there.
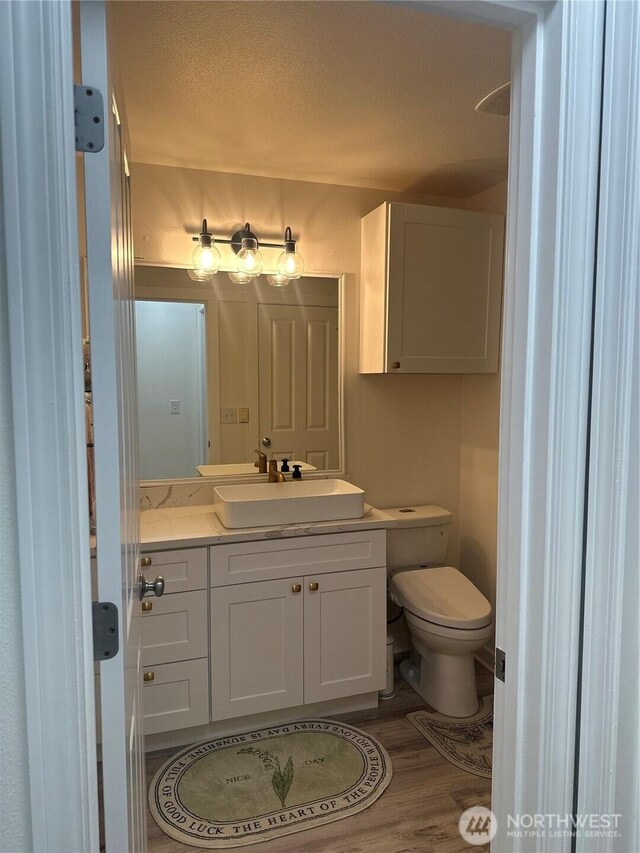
(243, 415)
(229, 415)
(175, 407)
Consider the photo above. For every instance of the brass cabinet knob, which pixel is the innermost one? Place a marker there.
(145, 561)
(147, 606)
(296, 587)
(396, 365)
(313, 587)
(149, 676)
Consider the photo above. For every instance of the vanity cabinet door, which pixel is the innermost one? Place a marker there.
(344, 634)
(256, 647)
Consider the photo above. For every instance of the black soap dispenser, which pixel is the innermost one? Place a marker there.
(297, 473)
(285, 466)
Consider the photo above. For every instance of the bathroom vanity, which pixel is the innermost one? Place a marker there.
(265, 624)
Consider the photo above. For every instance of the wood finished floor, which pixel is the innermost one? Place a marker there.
(419, 811)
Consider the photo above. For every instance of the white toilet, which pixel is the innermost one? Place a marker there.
(448, 618)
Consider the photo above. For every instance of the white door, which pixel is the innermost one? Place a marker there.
(344, 634)
(112, 333)
(298, 364)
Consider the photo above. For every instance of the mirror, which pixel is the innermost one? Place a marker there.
(226, 369)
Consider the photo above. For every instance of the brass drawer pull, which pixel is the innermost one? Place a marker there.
(313, 587)
(149, 676)
(147, 606)
(145, 561)
(296, 587)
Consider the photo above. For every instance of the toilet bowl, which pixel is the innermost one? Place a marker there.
(447, 616)
(449, 620)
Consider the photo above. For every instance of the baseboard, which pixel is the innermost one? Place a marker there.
(486, 656)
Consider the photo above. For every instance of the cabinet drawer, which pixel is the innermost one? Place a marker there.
(265, 560)
(182, 570)
(177, 697)
(175, 628)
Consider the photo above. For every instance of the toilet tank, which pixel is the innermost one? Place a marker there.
(420, 536)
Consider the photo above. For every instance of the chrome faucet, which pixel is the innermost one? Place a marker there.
(261, 462)
(275, 476)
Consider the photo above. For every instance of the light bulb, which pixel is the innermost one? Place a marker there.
(205, 258)
(249, 258)
(278, 280)
(290, 262)
(240, 277)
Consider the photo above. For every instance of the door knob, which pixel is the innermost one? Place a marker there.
(296, 587)
(313, 587)
(266, 441)
(148, 676)
(145, 561)
(146, 587)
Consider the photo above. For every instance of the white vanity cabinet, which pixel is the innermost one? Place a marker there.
(307, 624)
(430, 290)
(175, 645)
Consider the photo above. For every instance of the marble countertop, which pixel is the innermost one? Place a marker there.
(189, 526)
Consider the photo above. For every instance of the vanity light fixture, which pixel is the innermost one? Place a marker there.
(206, 257)
(250, 263)
(290, 262)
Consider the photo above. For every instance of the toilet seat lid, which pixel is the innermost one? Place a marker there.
(443, 595)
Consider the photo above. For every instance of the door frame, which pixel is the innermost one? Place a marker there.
(608, 778)
(554, 155)
(545, 389)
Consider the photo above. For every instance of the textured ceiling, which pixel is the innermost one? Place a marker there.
(355, 93)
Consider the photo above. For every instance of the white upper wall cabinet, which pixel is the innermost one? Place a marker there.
(430, 290)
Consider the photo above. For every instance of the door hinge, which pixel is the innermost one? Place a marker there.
(105, 630)
(501, 664)
(89, 110)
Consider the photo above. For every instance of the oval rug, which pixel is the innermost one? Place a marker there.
(247, 788)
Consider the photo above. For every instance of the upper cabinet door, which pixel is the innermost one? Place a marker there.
(431, 290)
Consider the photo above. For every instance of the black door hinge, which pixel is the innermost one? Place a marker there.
(105, 630)
(89, 110)
(501, 664)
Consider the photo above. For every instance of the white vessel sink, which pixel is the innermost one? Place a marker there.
(293, 502)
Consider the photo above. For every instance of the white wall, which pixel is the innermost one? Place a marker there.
(402, 432)
(171, 363)
(479, 429)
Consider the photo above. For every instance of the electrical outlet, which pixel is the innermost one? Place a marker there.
(229, 415)
(175, 407)
(243, 415)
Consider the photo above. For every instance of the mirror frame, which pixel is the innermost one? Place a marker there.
(229, 479)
